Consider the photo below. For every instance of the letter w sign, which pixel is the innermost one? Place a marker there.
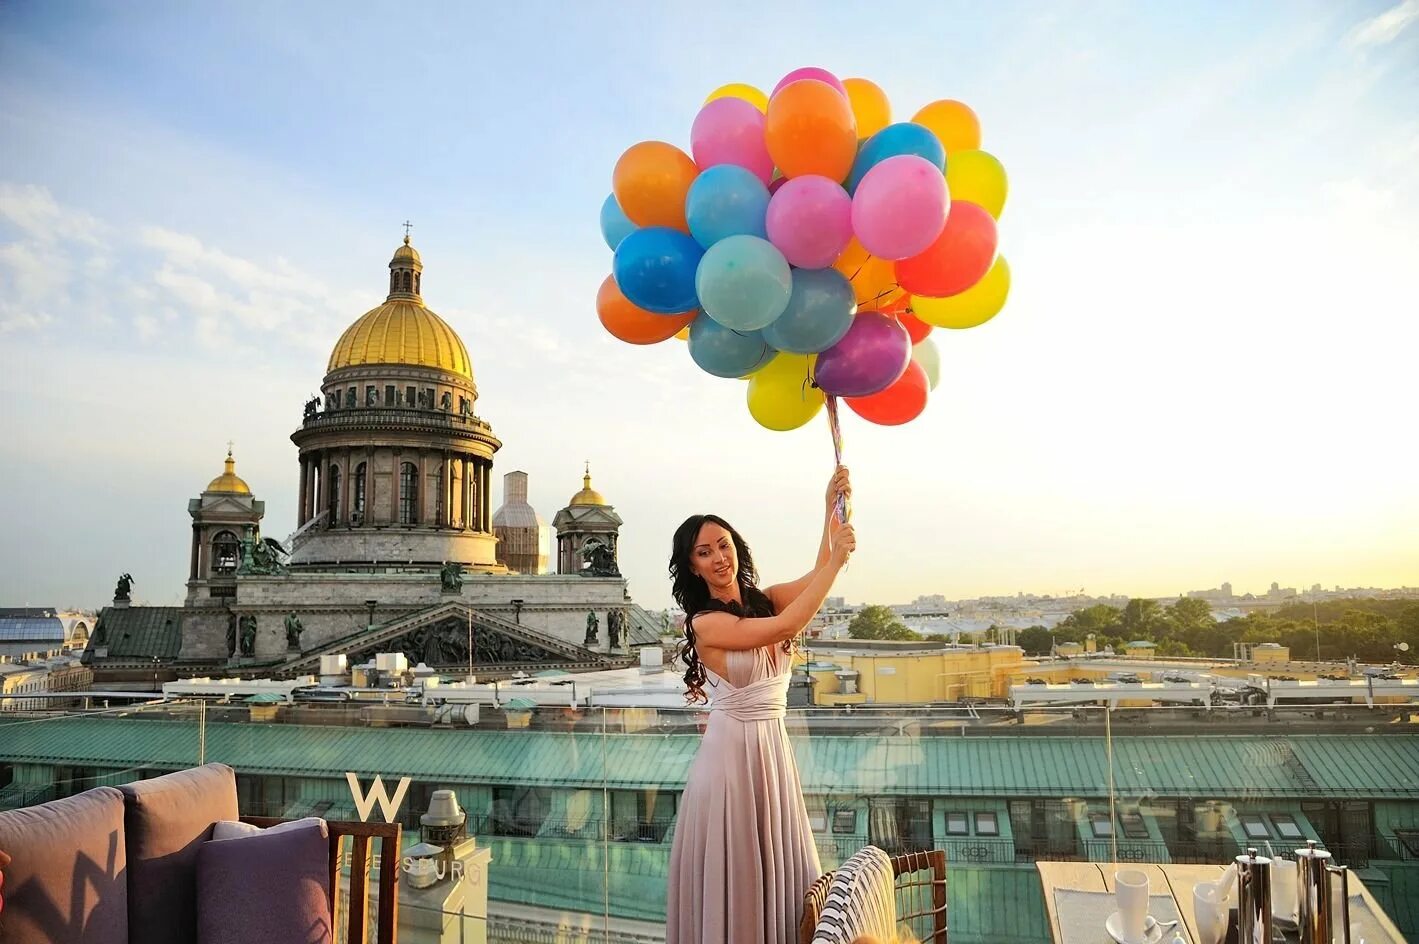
(364, 802)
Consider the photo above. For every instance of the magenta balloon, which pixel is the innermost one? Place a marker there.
(810, 72)
(871, 357)
(731, 131)
(810, 221)
(776, 184)
(900, 207)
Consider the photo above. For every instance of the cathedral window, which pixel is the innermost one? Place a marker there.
(408, 281)
(410, 396)
(352, 397)
(408, 494)
(389, 394)
(416, 282)
(332, 402)
(226, 551)
(333, 494)
(371, 395)
(393, 282)
(358, 495)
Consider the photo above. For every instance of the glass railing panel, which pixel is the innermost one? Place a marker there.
(1273, 764)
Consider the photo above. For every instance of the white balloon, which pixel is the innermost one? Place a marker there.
(929, 358)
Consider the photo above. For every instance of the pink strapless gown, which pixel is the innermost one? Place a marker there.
(743, 853)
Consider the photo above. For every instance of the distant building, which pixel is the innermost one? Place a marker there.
(522, 534)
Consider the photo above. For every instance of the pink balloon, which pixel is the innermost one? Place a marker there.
(731, 131)
(777, 183)
(810, 72)
(810, 221)
(900, 207)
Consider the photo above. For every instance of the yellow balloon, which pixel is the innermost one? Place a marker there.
(780, 395)
(739, 90)
(953, 122)
(978, 177)
(684, 334)
(869, 106)
(975, 306)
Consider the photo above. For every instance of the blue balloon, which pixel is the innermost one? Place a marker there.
(726, 200)
(725, 353)
(655, 269)
(818, 314)
(614, 225)
(743, 282)
(905, 137)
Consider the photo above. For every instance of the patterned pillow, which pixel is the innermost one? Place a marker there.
(861, 900)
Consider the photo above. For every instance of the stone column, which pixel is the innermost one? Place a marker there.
(196, 543)
(470, 470)
(319, 484)
(397, 461)
(487, 506)
(348, 485)
(301, 516)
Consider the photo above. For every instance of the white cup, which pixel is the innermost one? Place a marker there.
(1209, 908)
(1131, 888)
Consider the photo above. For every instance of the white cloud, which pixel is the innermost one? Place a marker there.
(34, 211)
(1385, 27)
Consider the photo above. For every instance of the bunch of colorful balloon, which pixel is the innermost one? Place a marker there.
(809, 244)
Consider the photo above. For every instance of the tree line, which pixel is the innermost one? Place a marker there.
(1365, 629)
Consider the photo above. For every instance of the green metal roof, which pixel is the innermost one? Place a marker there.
(140, 632)
(1293, 765)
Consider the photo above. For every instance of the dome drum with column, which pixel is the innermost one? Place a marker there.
(396, 470)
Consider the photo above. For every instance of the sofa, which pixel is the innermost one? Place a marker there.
(140, 863)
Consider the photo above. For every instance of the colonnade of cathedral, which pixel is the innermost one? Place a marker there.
(382, 486)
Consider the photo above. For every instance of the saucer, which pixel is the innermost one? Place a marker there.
(1152, 930)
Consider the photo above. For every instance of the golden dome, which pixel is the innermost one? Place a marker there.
(401, 332)
(407, 252)
(229, 481)
(587, 495)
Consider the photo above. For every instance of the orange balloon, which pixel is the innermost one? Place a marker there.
(635, 325)
(957, 259)
(900, 403)
(810, 130)
(650, 182)
(870, 107)
(874, 280)
(953, 123)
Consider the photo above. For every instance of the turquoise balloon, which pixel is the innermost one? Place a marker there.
(614, 225)
(743, 282)
(819, 312)
(905, 137)
(726, 200)
(725, 353)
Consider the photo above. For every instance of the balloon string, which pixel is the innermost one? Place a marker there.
(832, 404)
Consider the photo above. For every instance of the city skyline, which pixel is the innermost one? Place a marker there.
(1213, 268)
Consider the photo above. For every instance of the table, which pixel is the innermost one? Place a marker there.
(1175, 880)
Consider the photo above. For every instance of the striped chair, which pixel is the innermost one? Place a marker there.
(919, 884)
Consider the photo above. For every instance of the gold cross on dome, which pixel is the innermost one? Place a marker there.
(229, 447)
(407, 226)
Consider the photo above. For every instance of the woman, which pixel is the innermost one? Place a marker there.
(743, 853)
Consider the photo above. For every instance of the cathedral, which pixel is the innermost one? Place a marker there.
(396, 547)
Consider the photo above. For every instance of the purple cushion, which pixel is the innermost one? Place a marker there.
(66, 883)
(271, 886)
(166, 821)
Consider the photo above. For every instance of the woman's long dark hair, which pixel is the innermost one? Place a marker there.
(692, 593)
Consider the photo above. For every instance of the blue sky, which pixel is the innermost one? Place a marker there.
(1204, 372)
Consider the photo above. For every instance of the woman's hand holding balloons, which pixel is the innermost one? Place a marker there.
(843, 538)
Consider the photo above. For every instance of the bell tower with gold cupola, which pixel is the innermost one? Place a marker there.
(396, 467)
